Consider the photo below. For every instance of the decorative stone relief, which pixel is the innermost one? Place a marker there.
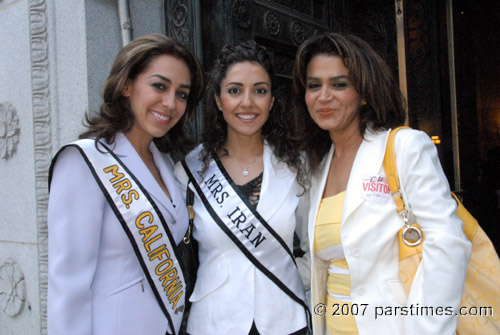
(241, 13)
(9, 130)
(12, 289)
(302, 6)
(179, 20)
(42, 138)
(283, 65)
(318, 32)
(272, 23)
(298, 32)
(182, 23)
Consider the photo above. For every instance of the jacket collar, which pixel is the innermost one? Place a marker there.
(368, 162)
(126, 152)
(319, 181)
(277, 183)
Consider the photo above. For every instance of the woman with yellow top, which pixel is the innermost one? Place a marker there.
(347, 101)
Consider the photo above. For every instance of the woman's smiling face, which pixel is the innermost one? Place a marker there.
(245, 98)
(158, 96)
(331, 99)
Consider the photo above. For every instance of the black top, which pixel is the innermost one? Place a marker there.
(251, 190)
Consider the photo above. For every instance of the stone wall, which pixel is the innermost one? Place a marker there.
(54, 57)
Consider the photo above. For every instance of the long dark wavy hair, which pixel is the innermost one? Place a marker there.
(115, 115)
(371, 78)
(278, 130)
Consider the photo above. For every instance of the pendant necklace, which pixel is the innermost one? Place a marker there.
(245, 169)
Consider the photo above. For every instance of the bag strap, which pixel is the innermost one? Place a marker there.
(391, 171)
(411, 234)
(189, 206)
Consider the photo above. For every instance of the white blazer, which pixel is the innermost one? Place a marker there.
(230, 292)
(368, 234)
(96, 284)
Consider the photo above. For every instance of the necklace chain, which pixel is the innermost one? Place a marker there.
(245, 169)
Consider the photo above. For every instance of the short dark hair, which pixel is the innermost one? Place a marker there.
(115, 115)
(368, 73)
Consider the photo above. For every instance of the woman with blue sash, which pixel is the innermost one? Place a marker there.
(116, 217)
(246, 179)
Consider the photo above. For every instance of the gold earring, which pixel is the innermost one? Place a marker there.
(363, 102)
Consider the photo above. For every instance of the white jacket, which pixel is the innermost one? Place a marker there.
(368, 234)
(230, 292)
(96, 284)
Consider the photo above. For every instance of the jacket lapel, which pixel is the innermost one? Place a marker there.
(368, 163)
(166, 167)
(317, 186)
(276, 184)
(134, 163)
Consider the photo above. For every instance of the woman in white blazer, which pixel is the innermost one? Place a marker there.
(96, 282)
(246, 158)
(348, 102)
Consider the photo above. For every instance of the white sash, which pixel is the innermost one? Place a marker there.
(144, 225)
(246, 228)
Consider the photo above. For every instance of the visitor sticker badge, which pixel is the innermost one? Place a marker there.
(375, 188)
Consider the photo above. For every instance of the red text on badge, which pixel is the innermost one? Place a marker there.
(375, 188)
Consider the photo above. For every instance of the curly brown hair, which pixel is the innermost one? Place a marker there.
(115, 115)
(278, 130)
(371, 78)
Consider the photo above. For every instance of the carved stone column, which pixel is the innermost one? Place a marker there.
(42, 139)
(9, 130)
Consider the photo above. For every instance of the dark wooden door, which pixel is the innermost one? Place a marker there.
(279, 25)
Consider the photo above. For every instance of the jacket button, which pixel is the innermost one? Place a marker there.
(356, 252)
(361, 290)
